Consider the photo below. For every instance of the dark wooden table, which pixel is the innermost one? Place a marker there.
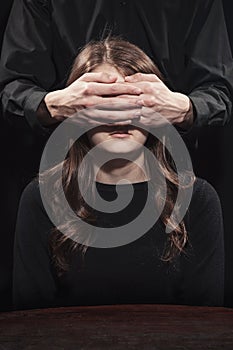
(161, 327)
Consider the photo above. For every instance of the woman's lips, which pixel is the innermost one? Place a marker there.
(120, 135)
(120, 132)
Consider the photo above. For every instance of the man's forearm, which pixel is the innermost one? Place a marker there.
(212, 106)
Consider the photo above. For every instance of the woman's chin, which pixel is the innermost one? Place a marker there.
(121, 146)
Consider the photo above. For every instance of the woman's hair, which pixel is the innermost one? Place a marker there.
(128, 59)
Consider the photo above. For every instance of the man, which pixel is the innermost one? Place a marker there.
(186, 39)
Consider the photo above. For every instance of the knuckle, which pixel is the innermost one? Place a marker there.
(85, 102)
(114, 89)
(149, 90)
(88, 103)
(139, 75)
(151, 101)
(87, 89)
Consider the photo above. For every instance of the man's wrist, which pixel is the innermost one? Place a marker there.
(188, 120)
(43, 115)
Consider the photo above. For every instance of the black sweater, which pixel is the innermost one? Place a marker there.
(132, 273)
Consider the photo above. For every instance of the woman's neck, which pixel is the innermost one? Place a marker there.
(120, 169)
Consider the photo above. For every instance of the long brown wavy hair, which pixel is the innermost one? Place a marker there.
(128, 59)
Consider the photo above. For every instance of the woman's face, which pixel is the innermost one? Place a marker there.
(124, 138)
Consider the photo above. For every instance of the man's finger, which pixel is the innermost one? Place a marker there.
(110, 116)
(138, 77)
(115, 104)
(98, 77)
(100, 102)
(115, 89)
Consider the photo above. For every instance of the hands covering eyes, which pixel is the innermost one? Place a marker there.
(141, 98)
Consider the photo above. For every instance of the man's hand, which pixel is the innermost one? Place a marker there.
(159, 102)
(90, 90)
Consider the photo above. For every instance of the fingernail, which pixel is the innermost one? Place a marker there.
(140, 102)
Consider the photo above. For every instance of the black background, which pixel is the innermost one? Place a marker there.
(18, 153)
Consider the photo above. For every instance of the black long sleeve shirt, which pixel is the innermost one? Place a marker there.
(186, 39)
(132, 273)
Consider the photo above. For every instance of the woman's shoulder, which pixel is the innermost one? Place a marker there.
(31, 194)
(32, 189)
(31, 209)
(203, 192)
(205, 204)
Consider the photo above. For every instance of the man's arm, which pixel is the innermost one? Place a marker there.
(28, 75)
(27, 71)
(202, 84)
(208, 76)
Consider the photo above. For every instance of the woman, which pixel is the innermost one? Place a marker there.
(182, 267)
